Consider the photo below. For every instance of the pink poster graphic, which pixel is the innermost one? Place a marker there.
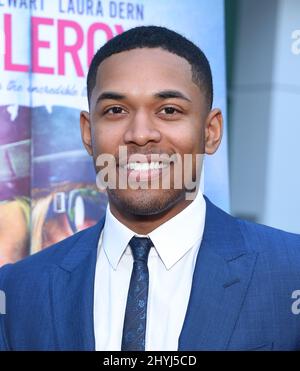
(47, 181)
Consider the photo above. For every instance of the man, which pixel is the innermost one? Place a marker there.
(161, 271)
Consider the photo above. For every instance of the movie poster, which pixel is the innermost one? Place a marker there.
(47, 181)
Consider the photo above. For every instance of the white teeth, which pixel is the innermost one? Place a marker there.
(145, 166)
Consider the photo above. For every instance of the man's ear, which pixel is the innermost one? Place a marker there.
(213, 131)
(86, 134)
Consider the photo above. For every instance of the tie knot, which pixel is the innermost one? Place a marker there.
(140, 247)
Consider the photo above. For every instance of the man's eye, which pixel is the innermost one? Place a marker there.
(114, 110)
(170, 110)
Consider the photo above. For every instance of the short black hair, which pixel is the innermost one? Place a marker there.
(156, 37)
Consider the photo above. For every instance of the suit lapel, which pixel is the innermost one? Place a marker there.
(72, 292)
(222, 274)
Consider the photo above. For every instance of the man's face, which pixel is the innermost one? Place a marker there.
(145, 99)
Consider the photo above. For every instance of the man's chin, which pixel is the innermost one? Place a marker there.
(145, 202)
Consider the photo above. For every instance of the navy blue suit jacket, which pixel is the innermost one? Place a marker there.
(241, 297)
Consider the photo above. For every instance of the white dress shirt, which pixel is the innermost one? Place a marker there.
(171, 265)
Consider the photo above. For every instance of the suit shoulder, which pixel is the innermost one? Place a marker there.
(280, 247)
(37, 264)
(268, 235)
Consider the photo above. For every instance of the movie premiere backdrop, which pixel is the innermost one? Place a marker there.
(47, 182)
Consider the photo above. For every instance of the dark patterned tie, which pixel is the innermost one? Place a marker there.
(134, 329)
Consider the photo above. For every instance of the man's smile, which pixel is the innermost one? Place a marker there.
(145, 171)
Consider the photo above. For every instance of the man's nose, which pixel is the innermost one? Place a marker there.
(142, 130)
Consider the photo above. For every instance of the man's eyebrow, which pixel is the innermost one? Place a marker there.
(164, 94)
(110, 95)
(167, 94)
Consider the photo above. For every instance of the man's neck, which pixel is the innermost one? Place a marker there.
(144, 224)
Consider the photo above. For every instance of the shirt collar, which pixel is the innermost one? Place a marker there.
(172, 239)
(115, 238)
